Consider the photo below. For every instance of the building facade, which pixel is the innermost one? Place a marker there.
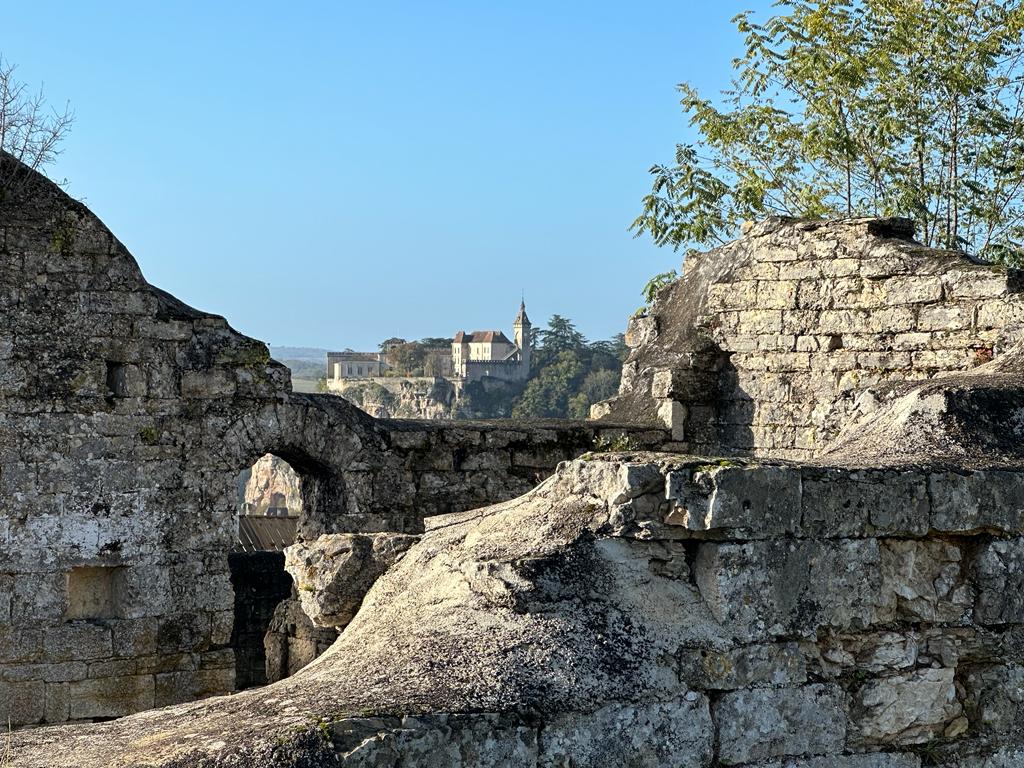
(354, 365)
(492, 354)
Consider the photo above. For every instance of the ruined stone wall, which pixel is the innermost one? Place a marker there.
(764, 344)
(648, 610)
(125, 420)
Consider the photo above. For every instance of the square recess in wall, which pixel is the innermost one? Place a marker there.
(94, 592)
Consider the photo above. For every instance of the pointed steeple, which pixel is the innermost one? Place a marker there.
(521, 318)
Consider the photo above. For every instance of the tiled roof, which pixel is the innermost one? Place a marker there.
(476, 337)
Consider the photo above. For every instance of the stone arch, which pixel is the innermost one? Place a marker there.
(329, 442)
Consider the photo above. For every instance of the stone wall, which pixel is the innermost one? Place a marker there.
(647, 610)
(125, 420)
(764, 344)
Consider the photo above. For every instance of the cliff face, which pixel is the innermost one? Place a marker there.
(400, 397)
(271, 484)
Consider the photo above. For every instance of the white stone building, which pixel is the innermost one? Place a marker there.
(491, 354)
(354, 365)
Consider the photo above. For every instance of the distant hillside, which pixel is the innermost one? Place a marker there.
(308, 354)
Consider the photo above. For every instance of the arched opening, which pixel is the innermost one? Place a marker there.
(272, 638)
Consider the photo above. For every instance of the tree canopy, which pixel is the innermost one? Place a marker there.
(569, 374)
(874, 107)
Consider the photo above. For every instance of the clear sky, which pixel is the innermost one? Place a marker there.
(334, 173)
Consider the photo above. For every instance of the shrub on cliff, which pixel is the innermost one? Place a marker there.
(30, 132)
(874, 107)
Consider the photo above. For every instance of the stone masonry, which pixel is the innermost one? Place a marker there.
(125, 420)
(649, 610)
(845, 595)
(764, 344)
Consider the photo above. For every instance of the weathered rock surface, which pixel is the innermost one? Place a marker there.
(764, 345)
(586, 623)
(334, 573)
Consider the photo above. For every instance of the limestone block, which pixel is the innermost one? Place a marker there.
(741, 294)
(334, 573)
(974, 284)
(57, 704)
(438, 741)
(216, 382)
(922, 581)
(913, 289)
(761, 501)
(946, 359)
(871, 652)
(22, 703)
(1000, 314)
(676, 733)
(990, 499)
(892, 320)
(764, 723)
(945, 317)
(20, 644)
(870, 760)
(641, 330)
(673, 415)
(766, 589)
(757, 321)
(775, 294)
(110, 696)
(78, 640)
(999, 574)
(910, 708)
(887, 361)
(995, 698)
(682, 384)
(759, 665)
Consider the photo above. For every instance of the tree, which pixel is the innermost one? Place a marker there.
(866, 107)
(561, 335)
(596, 386)
(547, 394)
(30, 132)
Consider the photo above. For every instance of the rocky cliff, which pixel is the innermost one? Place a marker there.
(400, 397)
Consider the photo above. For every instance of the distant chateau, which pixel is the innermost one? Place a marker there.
(490, 353)
(474, 356)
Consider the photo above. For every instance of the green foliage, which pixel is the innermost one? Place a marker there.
(860, 107)
(568, 374)
(596, 386)
(656, 283)
(548, 392)
(617, 444)
(426, 357)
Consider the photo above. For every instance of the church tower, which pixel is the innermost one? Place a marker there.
(521, 335)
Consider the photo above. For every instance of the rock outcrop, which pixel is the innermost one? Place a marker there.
(858, 608)
(643, 610)
(334, 573)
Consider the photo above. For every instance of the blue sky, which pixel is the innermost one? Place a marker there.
(332, 174)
